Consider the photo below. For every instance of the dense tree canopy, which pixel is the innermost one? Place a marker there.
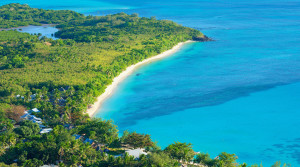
(102, 131)
(28, 129)
(204, 158)
(15, 15)
(138, 140)
(161, 159)
(118, 28)
(180, 151)
(226, 159)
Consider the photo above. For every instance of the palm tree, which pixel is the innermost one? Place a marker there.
(61, 153)
(11, 139)
(38, 97)
(70, 91)
(2, 149)
(27, 96)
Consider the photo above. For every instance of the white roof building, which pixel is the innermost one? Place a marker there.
(35, 110)
(46, 130)
(38, 122)
(26, 116)
(42, 126)
(33, 96)
(136, 153)
(49, 165)
(35, 119)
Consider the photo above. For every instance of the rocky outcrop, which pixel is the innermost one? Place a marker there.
(202, 39)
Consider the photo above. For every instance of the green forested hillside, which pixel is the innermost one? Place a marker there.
(15, 15)
(91, 52)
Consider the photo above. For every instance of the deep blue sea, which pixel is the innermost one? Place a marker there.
(239, 94)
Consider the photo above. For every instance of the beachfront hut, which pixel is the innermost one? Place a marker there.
(136, 153)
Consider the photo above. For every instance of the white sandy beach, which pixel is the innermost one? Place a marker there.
(110, 89)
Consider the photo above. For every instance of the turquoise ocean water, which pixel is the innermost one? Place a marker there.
(239, 94)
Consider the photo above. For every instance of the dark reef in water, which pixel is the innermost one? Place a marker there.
(202, 39)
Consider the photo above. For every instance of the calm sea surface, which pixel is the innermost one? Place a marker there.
(239, 94)
(46, 30)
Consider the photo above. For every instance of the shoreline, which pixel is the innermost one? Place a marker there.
(17, 28)
(129, 70)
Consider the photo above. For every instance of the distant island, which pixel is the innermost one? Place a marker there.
(47, 86)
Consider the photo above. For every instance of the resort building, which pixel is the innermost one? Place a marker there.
(27, 116)
(35, 110)
(78, 137)
(89, 141)
(46, 130)
(136, 153)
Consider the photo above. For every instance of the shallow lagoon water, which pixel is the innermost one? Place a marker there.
(238, 94)
(46, 30)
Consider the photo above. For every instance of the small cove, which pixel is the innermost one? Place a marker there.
(46, 30)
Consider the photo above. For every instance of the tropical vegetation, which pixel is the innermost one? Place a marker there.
(63, 77)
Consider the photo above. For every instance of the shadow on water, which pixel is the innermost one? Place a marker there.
(169, 105)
